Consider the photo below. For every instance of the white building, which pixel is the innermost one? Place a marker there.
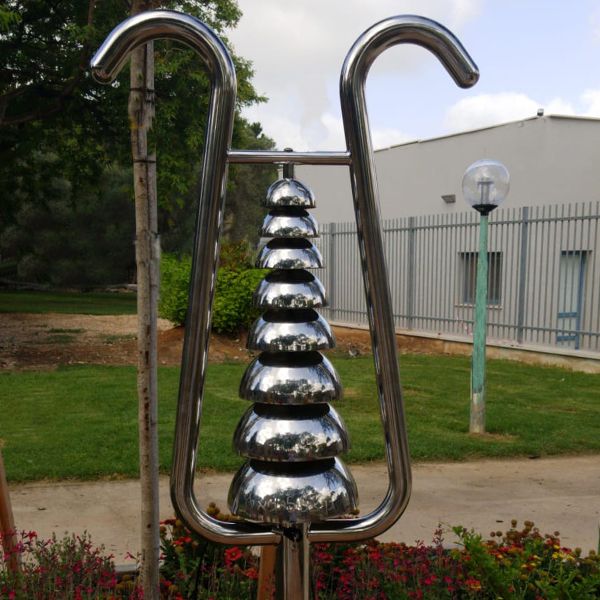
(544, 264)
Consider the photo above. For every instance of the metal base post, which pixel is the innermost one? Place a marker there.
(293, 565)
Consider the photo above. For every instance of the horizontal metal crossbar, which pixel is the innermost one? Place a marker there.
(283, 157)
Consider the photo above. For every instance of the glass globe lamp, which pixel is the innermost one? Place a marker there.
(485, 185)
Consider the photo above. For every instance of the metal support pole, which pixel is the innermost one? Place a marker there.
(294, 561)
(288, 168)
(522, 273)
(410, 287)
(331, 270)
(477, 420)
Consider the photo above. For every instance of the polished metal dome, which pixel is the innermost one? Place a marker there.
(289, 192)
(289, 495)
(291, 437)
(282, 253)
(284, 434)
(288, 290)
(280, 224)
(275, 331)
(282, 379)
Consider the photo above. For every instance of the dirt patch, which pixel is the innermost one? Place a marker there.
(32, 341)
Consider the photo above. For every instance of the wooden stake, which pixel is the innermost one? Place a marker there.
(266, 572)
(7, 522)
(141, 113)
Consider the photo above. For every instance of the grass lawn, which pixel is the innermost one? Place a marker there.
(82, 303)
(81, 422)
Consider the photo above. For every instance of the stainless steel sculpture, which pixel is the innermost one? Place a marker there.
(289, 391)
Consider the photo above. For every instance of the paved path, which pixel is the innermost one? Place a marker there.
(557, 493)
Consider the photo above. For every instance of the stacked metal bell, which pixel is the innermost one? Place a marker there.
(291, 436)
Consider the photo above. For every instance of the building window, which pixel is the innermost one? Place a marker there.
(571, 284)
(468, 271)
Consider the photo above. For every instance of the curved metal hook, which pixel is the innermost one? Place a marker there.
(406, 29)
(106, 63)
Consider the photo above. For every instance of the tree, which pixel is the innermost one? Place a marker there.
(41, 236)
(49, 104)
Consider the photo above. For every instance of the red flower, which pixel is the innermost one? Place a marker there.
(473, 584)
(232, 554)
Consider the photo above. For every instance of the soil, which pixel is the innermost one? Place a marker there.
(45, 341)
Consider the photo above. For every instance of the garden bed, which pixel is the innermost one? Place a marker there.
(519, 563)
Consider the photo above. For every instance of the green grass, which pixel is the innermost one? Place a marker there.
(81, 422)
(82, 303)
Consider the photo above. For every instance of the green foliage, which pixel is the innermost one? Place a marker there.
(236, 256)
(7, 18)
(236, 282)
(233, 309)
(53, 569)
(59, 420)
(174, 287)
(194, 567)
(65, 238)
(52, 107)
(520, 564)
(523, 563)
(71, 303)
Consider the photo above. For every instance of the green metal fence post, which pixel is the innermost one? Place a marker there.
(477, 415)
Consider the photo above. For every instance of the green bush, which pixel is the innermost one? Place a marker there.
(233, 309)
(174, 287)
(236, 282)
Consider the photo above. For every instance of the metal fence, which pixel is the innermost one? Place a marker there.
(543, 274)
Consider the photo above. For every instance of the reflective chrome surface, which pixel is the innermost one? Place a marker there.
(286, 225)
(289, 192)
(278, 157)
(306, 433)
(275, 379)
(263, 488)
(106, 64)
(292, 494)
(276, 255)
(442, 43)
(271, 333)
(282, 289)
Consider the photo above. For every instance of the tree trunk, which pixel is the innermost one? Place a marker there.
(141, 112)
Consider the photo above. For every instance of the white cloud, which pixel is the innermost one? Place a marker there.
(591, 100)
(298, 49)
(484, 110)
(388, 136)
(490, 109)
(595, 24)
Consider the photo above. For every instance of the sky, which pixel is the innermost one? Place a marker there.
(531, 54)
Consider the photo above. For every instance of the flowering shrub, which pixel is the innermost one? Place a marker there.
(67, 569)
(376, 571)
(518, 564)
(194, 567)
(526, 564)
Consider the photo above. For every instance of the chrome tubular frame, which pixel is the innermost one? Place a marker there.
(359, 156)
(111, 56)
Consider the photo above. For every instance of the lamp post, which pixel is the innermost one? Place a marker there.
(485, 185)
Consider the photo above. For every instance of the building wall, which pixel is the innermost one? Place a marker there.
(427, 273)
(551, 160)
